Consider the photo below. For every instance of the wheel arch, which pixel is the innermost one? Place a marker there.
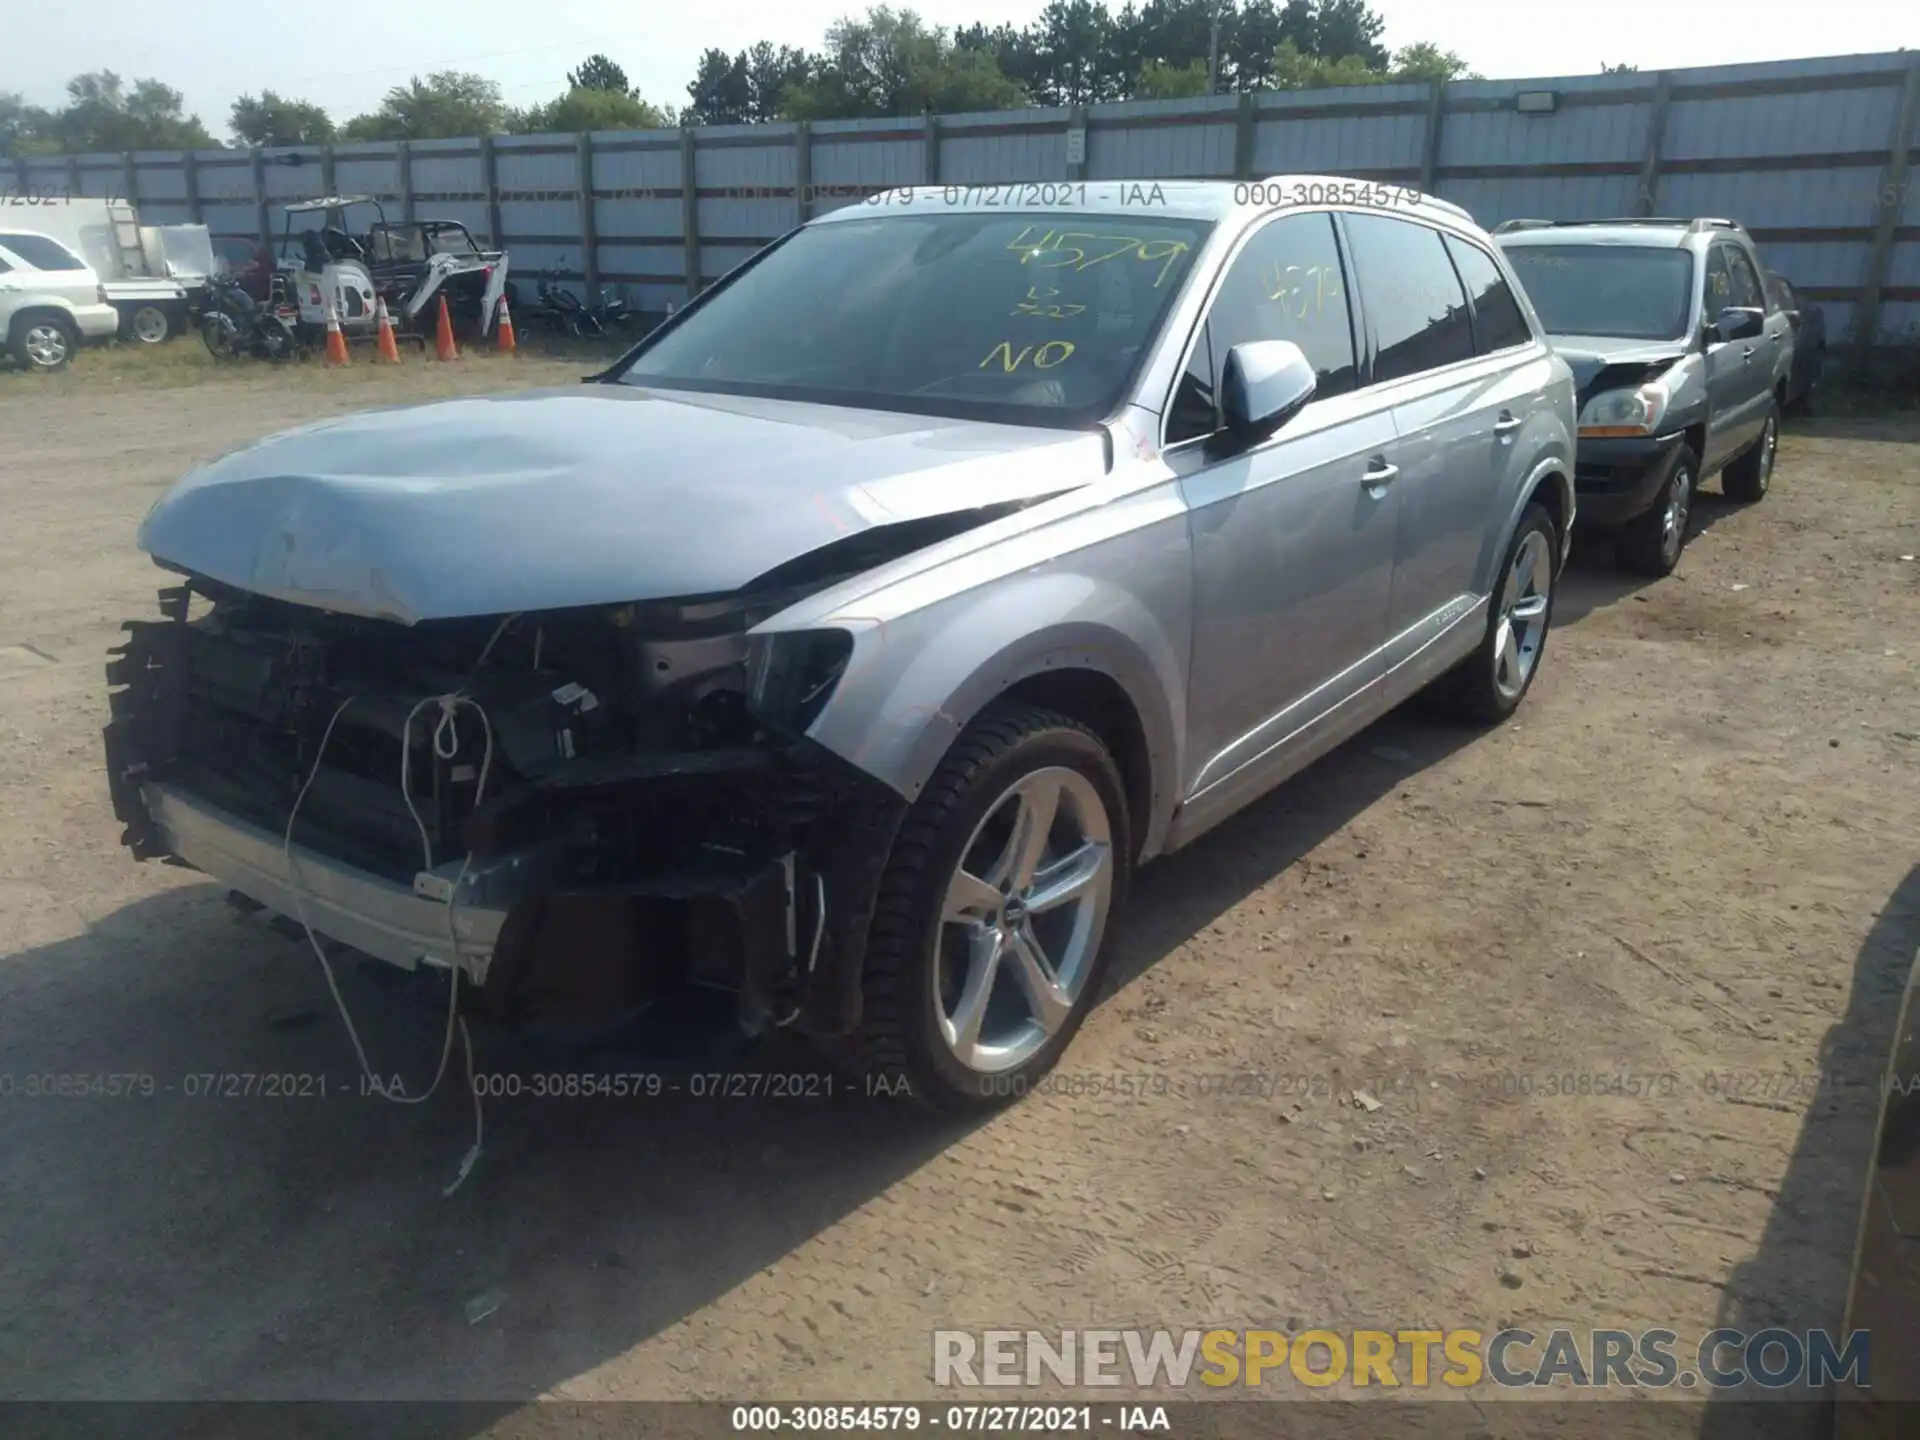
(1088, 648)
(43, 310)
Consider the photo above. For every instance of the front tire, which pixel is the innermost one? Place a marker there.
(1651, 544)
(1491, 683)
(989, 935)
(1748, 478)
(42, 342)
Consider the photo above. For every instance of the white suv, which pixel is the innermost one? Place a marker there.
(50, 301)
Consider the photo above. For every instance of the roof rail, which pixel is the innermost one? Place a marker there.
(1449, 207)
(1695, 225)
(1507, 227)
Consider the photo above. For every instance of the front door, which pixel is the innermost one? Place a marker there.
(1736, 382)
(1293, 541)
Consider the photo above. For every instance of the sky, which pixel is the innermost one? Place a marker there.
(345, 54)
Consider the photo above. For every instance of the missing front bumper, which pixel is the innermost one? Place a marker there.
(354, 907)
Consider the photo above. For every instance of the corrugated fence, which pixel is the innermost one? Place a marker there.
(1813, 156)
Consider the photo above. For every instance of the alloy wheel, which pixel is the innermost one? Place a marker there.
(47, 346)
(1524, 601)
(1679, 511)
(1022, 919)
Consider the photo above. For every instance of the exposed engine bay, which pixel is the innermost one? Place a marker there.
(601, 785)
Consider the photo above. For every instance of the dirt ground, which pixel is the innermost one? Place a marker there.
(1692, 857)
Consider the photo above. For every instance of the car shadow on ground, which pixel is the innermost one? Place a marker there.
(1797, 1276)
(297, 1245)
(1592, 581)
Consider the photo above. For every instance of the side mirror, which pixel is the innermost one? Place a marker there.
(1739, 323)
(1263, 385)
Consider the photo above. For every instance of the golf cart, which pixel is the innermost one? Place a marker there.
(409, 264)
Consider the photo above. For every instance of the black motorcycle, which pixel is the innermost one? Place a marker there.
(615, 315)
(561, 311)
(235, 325)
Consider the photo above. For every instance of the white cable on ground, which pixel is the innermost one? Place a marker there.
(446, 744)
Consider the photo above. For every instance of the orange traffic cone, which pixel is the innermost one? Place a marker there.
(336, 342)
(443, 345)
(508, 345)
(384, 347)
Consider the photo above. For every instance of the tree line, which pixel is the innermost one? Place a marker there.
(887, 62)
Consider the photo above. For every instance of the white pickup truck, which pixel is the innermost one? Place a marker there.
(151, 272)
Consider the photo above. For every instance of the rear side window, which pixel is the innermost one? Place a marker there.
(42, 253)
(1497, 321)
(1285, 284)
(4, 266)
(1414, 301)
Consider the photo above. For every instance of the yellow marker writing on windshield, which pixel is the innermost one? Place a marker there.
(1044, 357)
(1037, 304)
(1079, 249)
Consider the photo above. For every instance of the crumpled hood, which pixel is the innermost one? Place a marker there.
(596, 494)
(1621, 362)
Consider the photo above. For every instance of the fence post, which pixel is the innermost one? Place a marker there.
(1077, 120)
(190, 180)
(1892, 198)
(589, 219)
(130, 177)
(1244, 137)
(403, 158)
(260, 197)
(489, 181)
(326, 171)
(73, 176)
(1656, 138)
(930, 155)
(803, 171)
(1430, 147)
(690, 210)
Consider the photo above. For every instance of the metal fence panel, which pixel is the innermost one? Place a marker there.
(1799, 151)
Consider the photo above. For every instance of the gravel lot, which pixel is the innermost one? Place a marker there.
(1692, 857)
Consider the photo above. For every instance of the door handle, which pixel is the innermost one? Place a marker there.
(1379, 473)
(1746, 356)
(1506, 424)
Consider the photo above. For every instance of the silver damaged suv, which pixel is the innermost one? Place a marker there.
(841, 649)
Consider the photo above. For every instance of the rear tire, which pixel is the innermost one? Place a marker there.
(960, 938)
(1748, 478)
(1651, 544)
(146, 324)
(1490, 684)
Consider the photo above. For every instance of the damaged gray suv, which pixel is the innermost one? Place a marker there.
(842, 648)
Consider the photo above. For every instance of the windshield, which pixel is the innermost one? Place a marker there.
(1628, 292)
(1029, 318)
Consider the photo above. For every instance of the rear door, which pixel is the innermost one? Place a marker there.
(1772, 351)
(1293, 540)
(1455, 410)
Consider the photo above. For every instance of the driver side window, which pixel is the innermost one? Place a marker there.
(1746, 284)
(1287, 283)
(1719, 283)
